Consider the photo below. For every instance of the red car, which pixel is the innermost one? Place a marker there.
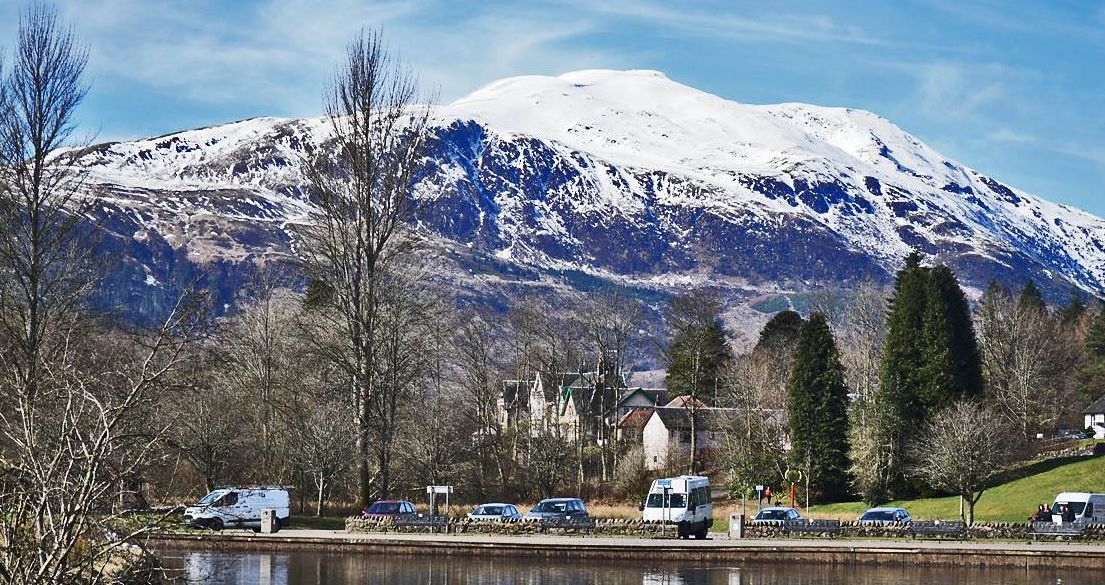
(389, 509)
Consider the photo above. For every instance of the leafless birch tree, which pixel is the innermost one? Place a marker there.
(360, 185)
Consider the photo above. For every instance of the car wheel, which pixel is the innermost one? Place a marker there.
(701, 534)
(216, 524)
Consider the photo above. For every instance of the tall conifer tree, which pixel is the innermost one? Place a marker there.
(952, 363)
(818, 410)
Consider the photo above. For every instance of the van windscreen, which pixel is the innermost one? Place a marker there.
(1076, 507)
(675, 501)
(211, 497)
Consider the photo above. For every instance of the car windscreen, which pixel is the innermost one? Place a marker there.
(489, 511)
(1075, 507)
(209, 498)
(559, 507)
(674, 501)
(879, 516)
(772, 515)
(384, 508)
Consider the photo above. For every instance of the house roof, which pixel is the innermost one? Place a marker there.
(685, 402)
(679, 419)
(657, 396)
(635, 419)
(1098, 407)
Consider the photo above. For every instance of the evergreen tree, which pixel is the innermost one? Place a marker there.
(781, 331)
(818, 411)
(1074, 310)
(1091, 380)
(952, 363)
(697, 354)
(1031, 298)
(900, 379)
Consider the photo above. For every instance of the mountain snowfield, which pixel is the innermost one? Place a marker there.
(621, 175)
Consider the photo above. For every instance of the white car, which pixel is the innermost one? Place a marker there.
(777, 515)
(497, 512)
(238, 507)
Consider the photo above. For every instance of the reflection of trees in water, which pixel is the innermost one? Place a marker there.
(352, 568)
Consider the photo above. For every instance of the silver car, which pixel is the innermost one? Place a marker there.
(558, 509)
(497, 512)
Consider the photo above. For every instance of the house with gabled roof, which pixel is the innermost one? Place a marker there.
(1095, 417)
(587, 405)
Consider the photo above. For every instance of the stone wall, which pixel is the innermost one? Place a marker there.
(640, 528)
(601, 527)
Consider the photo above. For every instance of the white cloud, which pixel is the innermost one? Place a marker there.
(1009, 136)
(279, 53)
(958, 90)
(745, 24)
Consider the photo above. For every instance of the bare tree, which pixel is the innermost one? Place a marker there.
(611, 320)
(1024, 354)
(322, 448)
(360, 184)
(963, 451)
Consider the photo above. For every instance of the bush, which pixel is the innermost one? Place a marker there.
(631, 478)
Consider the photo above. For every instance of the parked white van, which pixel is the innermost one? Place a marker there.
(1083, 506)
(238, 507)
(684, 501)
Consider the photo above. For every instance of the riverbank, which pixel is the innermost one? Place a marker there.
(842, 552)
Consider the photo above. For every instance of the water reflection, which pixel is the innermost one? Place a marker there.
(342, 569)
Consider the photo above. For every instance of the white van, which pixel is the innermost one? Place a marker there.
(238, 507)
(1085, 507)
(684, 501)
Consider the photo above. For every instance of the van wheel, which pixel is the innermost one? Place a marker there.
(216, 524)
(701, 534)
(256, 530)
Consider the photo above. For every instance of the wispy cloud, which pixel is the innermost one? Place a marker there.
(1008, 136)
(749, 25)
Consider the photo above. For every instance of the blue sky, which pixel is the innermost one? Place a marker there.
(1014, 89)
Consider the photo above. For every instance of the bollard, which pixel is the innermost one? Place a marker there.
(269, 521)
(736, 525)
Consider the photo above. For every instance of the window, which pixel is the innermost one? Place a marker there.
(656, 500)
(408, 508)
(1089, 510)
(229, 499)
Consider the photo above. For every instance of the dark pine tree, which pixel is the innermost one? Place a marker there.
(781, 331)
(900, 375)
(817, 402)
(952, 361)
(1030, 298)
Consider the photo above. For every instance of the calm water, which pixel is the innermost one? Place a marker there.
(340, 569)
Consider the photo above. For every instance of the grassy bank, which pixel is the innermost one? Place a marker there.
(1010, 502)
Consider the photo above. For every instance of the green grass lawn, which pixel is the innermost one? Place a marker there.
(1009, 502)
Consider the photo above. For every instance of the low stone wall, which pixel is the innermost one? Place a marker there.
(602, 527)
(642, 529)
(979, 531)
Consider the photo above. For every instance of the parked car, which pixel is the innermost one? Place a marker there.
(777, 515)
(1075, 434)
(390, 509)
(238, 507)
(684, 501)
(557, 508)
(498, 512)
(885, 515)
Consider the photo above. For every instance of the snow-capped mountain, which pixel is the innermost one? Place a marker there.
(624, 176)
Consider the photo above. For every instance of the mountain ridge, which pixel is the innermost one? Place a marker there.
(625, 176)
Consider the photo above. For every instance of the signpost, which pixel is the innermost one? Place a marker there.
(433, 491)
